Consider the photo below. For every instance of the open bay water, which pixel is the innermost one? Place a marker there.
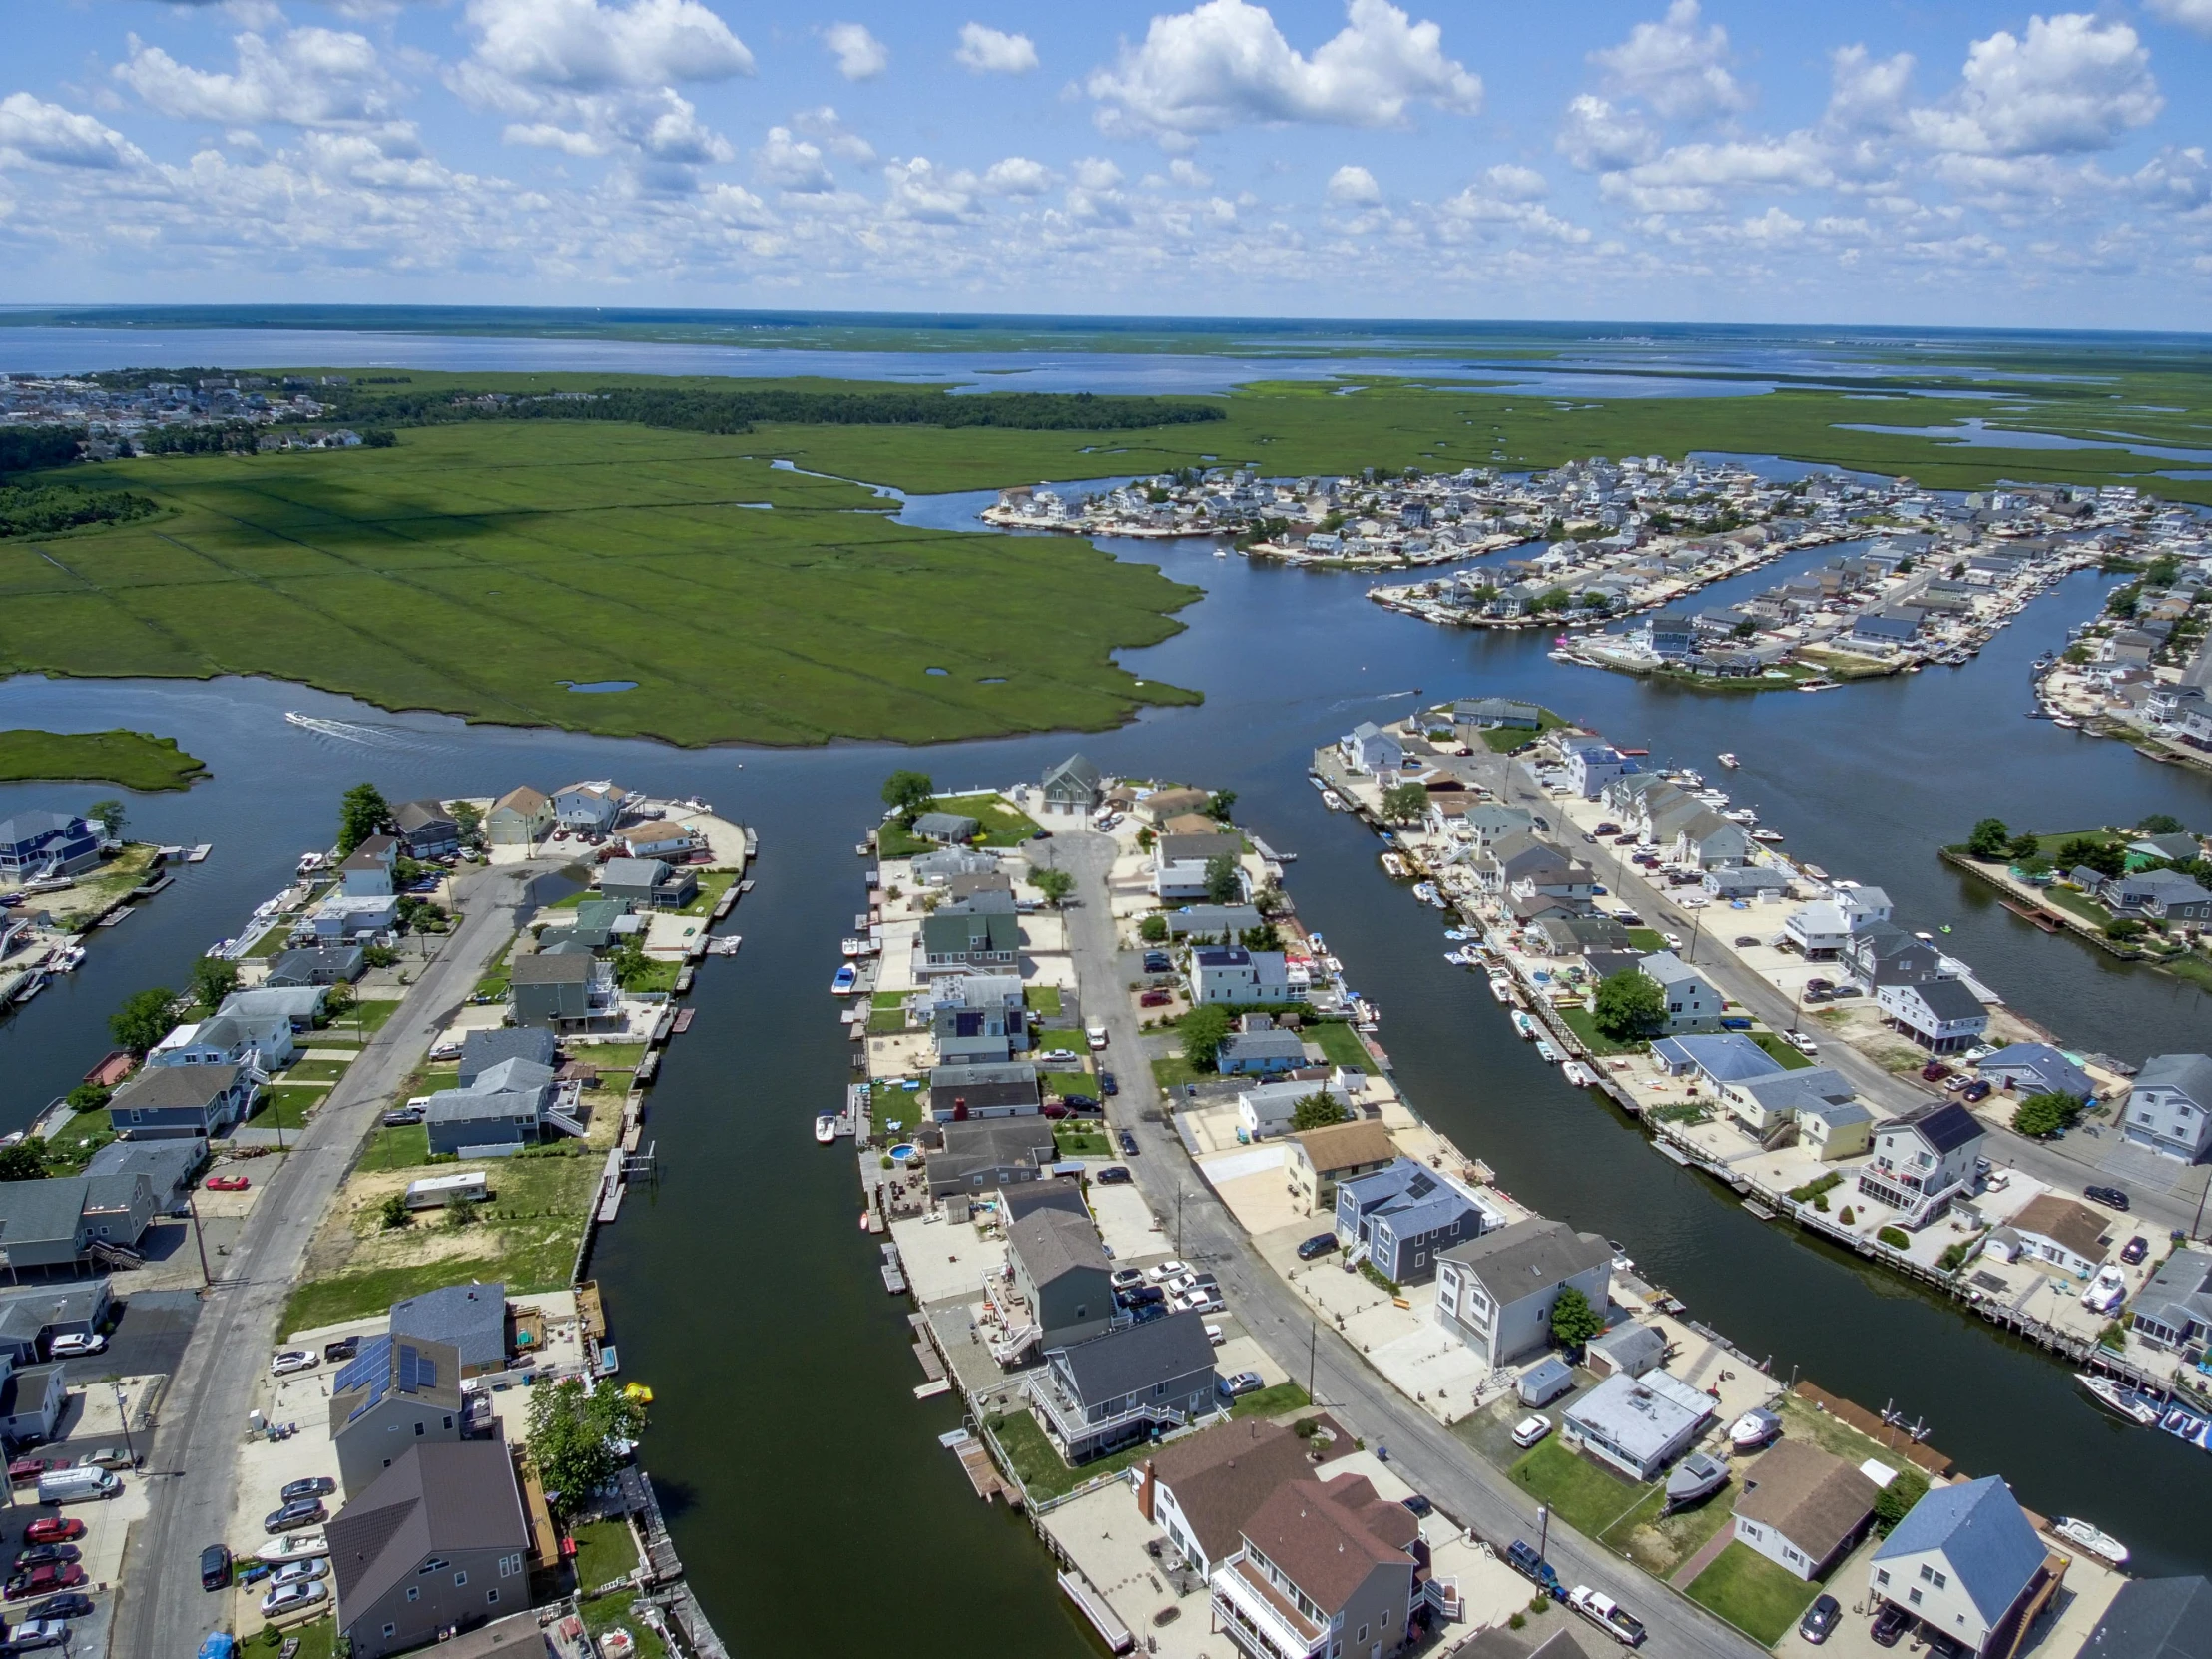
(741, 1288)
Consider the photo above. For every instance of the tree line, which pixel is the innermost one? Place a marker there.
(43, 509)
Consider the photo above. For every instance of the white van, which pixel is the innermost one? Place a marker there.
(78, 1485)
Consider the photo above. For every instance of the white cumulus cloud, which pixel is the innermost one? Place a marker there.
(791, 163)
(1352, 186)
(1597, 137)
(583, 46)
(1017, 176)
(2072, 84)
(860, 56)
(1226, 64)
(1675, 68)
(1511, 182)
(1865, 93)
(37, 131)
(304, 78)
(2190, 13)
(990, 51)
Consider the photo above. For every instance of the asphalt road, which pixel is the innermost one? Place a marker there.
(1426, 1454)
(162, 1612)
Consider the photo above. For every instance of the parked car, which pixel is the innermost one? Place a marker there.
(1320, 1244)
(1847, 990)
(218, 1645)
(53, 1530)
(303, 1572)
(76, 1343)
(1095, 1036)
(1161, 1272)
(70, 1605)
(1607, 828)
(1821, 1619)
(1744, 942)
(1141, 1296)
(343, 1349)
(292, 1598)
(1123, 1278)
(26, 1471)
(1888, 1624)
(1113, 1175)
(1158, 961)
(1934, 1072)
(2135, 1250)
(306, 1511)
(1107, 1086)
(1820, 985)
(315, 1485)
(292, 1359)
(1244, 1382)
(1735, 1023)
(108, 1458)
(215, 1567)
(1979, 1089)
(1128, 1144)
(1154, 999)
(402, 1116)
(227, 1183)
(1182, 1282)
(46, 1555)
(1529, 1430)
(32, 1634)
(1195, 1302)
(41, 1581)
(2110, 1197)
(1800, 1042)
(1417, 1505)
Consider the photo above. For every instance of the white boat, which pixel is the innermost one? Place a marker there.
(1524, 1023)
(1393, 866)
(2106, 1291)
(2121, 1402)
(1729, 760)
(1580, 1075)
(1333, 801)
(296, 1546)
(1765, 834)
(2080, 1533)
(1754, 1428)
(853, 947)
(1546, 1052)
(1501, 988)
(826, 1128)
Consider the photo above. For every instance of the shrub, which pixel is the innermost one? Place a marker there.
(393, 1212)
(1896, 1238)
(1845, 1215)
(1895, 1500)
(1153, 930)
(2042, 1115)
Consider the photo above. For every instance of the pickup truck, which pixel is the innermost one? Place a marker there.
(1521, 1556)
(1607, 1614)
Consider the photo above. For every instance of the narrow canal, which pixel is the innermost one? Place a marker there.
(804, 1486)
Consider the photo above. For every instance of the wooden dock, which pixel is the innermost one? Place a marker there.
(975, 1460)
(2025, 913)
(682, 1022)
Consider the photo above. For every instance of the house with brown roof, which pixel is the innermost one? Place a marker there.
(437, 1544)
(1161, 805)
(1326, 1567)
(1803, 1508)
(520, 818)
(2064, 1232)
(1317, 1159)
(1201, 1490)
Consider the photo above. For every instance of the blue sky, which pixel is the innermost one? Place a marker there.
(1935, 162)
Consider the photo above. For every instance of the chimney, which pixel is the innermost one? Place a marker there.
(1144, 1492)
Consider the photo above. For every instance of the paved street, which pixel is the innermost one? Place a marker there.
(1428, 1457)
(163, 1613)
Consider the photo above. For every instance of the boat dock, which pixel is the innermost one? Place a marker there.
(975, 1461)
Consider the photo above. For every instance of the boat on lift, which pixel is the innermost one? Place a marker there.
(2084, 1537)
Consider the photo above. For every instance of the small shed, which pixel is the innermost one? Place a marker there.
(1628, 1348)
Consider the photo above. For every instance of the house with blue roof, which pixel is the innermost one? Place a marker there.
(1966, 1565)
(1718, 1057)
(1402, 1215)
(472, 1316)
(2037, 1068)
(395, 1394)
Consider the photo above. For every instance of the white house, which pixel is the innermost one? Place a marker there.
(520, 818)
(2064, 1232)
(1371, 749)
(1231, 974)
(1941, 1015)
(1266, 1108)
(1592, 763)
(1708, 841)
(591, 806)
(1691, 1003)
(1179, 865)
(1638, 1425)
(1923, 1160)
(1804, 1508)
(2170, 1108)
(1825, 927)
(1965, 1562)
(1495, 1293)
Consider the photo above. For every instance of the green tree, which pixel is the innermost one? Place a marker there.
(1317, 1111)
(1223, 884)
(2023, 847)
(337, 1002)
(2124, 930)
(1221, 803)
(213, 979)
(572, 1438)
(1988, 839)
(393, 1212)
(1555, 599)
(629, 965)
(89, 1097)
(1153, 930)
(470, 818)
(1403, 802)
(1573, 1321)
(2161, 824)
(109, 816)
(1202, 1031)
(909, 793)
(145, 1018)
(2045, 1114)
(1055, 885)
(1895, 1501)
(24, 1161)
(379, 955)
(1629, 1007)
(1266, 936)
(2089, 854)
(361, 813)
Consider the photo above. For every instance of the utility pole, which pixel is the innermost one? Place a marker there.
(1312, 1350)
(1544, 1536)
(1179, 1219)
(206, 1278)
(123, 1416)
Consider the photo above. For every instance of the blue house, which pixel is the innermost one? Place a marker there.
(2037, 1068)
(1260, 1053)
(1400, 1217)
(39, 843)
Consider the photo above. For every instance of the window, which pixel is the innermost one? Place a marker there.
(392, 1630)
(1385, 1618)
(510, 1567)
(1914, 1596)
(460, 1581)
(1881, 1575)
(1362, 1636)
(1928, 1573)
(1941, 1581)
(414, 1592)
(449, 1422)
(491, 1595)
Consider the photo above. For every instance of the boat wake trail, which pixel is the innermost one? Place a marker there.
(366, 733)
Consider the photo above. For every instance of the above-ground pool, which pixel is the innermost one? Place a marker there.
(903, 1153)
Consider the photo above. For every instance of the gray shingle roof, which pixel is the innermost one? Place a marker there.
(1529, 1256)
(1054, 1242)
(2155, 1618)
(2190, 1073)
(473, 1317)
(1131, 1359)
(163, 1086)
(438, 1496)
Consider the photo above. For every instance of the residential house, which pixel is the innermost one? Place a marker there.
(2064, 1232)
(502, 1111)
(1763, 1104)
(168, 1167)
(1707, 841)
(959, 1093)
(1671, 636)
(1803, 1508)
(426, 828)
(662, 839)
(1487, 714)
(1400, 1218)
(483, 1050)
(1129, 1384)
(1317, 1160)
(1886, 630)
(1881, 953)
(1629, 1348)
(1922, 1161)
(970, 941)
(1179, 865)
(2155, 1618)
(1327, 1569)
(561, 990)
(2036, 1068)
(58, 1221)
(648, 883)
(436, 1544)
(1495, 1293)
(162, 1102)
(1690, 1002)
(1234, 975)
(32, 1402)
(1728, 881)
(2169, 1109)
(2175, 849)
(1638, 1425)
(522, 817)
(1368, 748)
(1720, 1058)
(947, 828)
(1965, 1564)
(1260, 1053)
(337, 965)
(1163, 804)
(369, 868)
(1592, 762)
(347, 919)
(2173, 1309)
(1267, 1109)
(257, 1043)
(1583, 937)
(1200, 1490)
(395, 1394)
(987, 1155)
(1941, 1015)
(472, 1317)
(32, 1316)
(1061, 1271)
(933, 870)
(979, 1019)
(1074, 786)
(2161, 894)
(1822, 929)
(1833, 1129)
(37, 844)
(589, 808)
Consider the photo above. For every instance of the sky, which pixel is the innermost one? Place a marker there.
(1904, 162)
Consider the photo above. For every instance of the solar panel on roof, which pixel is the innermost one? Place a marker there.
(372, 1361)
(417, 1370)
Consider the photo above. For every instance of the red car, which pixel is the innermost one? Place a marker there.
(41, 1581)
(52, 1529)
(227, 1183)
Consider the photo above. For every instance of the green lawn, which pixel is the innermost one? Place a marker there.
(1586, 1497)
(1339, 1043)
(315, 1071)
(713, 883)
(1646, 939)
(1584, 1026)
(606, 1613)
(605, 1552)
(493, 985)
(1752, 1593)
(1777, 1046)
(2076, 903)
(134, 759)
(285, 1108)
(270, 941)
(400, 1148)
(1069, 1082)
(889, 999)
(1081, 1143)
(1003, 825)
(656, 976)
(608, 1056)
(1274, 1402)
(1043, 1000)
(77, 1140)
(317, 1641)
(1172, 1071)
(1038, 1463)
(1504, 739)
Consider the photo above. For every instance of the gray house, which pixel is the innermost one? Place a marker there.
(395, 1394)
(984, 1157)
(649, 883)
(552, 990)
(472, 1317)
(1495, 1293)
(1403, 1216)
(1072, 785)
(2170, 1107)
(481, 1050)
(504, 1111)
(32, 1316)
(31, 1404)
(330, 964)
(437, 1543)
(180, 1102)
(58, 1221)
(1061, 1271)
(969, 942)
(297, 1006)
(2173, 1311)
(426, 828)
(985, 1090)
(168, 1165)
(1133, 1383)
(947, 827)
(1690, 1002)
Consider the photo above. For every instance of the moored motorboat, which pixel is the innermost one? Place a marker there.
(1729, 760)
(826, 1128)
(1580, 1075)
(1546, 1052)
(853, 947)
(1754, 1428)
(2082, 1536)
(1523, 1024)
(1501, 988)
(1696, 1476)
(2121, 1402)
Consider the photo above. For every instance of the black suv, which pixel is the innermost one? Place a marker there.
(1889, 1624)
(215, 1567)
(2111, 1197)
(1320, 1244)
